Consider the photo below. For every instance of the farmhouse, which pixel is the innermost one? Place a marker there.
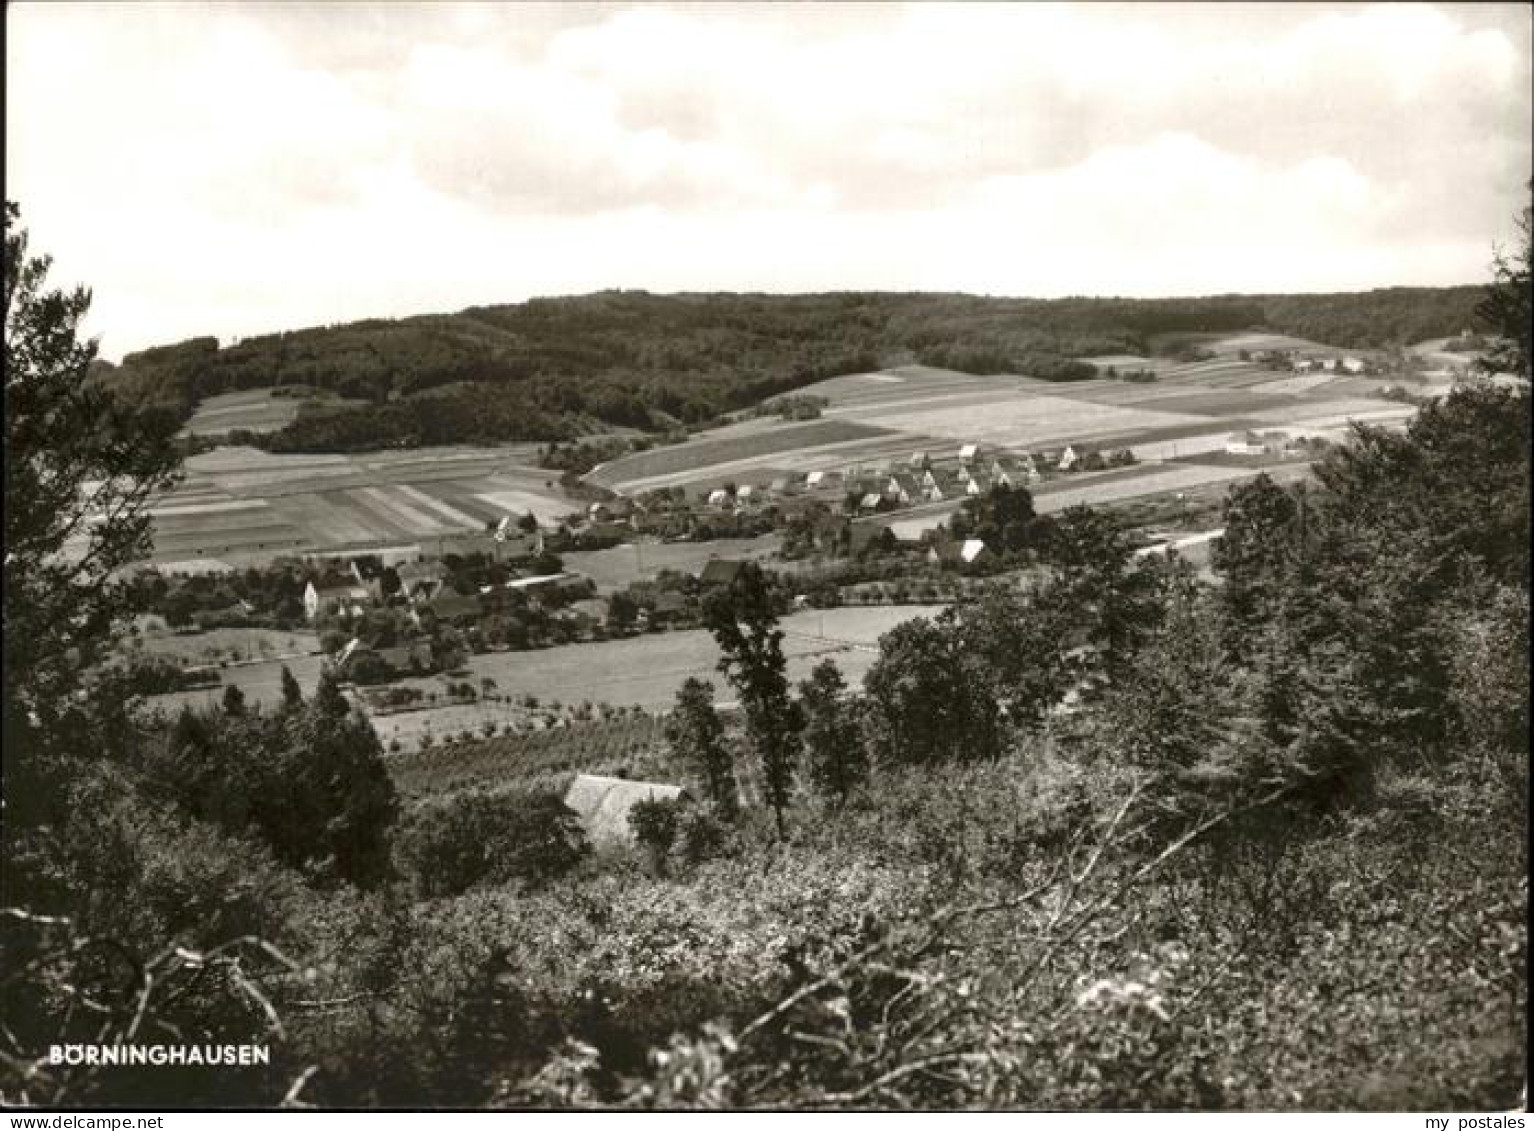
(903, 488)
(1353, 365)
(719, 498)
(823, 480)
(872, 501)
(603, 804)
(1068, 458)
(1245, 444)
(719, 573)
(939, 485)
(969, 453)
(348, 600)
(951, 551)
(979, 484)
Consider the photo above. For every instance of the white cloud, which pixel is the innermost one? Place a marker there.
(234, 169)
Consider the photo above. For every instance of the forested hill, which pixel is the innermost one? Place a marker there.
(549, 368)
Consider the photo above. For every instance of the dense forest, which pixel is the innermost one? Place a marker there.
(552, 369)
(1118, 839)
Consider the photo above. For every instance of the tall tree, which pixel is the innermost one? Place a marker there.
(929, 700)
(80, 467)
(833, 738)
(745, 626)
(1509, 303)
(696, 737)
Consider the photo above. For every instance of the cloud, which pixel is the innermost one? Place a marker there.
(235, 168)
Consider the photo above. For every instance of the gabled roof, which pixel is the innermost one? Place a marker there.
(720, 571)
(603, 805)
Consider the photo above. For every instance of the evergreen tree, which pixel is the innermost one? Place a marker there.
(292, 694)
(73, 453)
(696, 737)
(233, 701)
(745, 626)
(833, 738)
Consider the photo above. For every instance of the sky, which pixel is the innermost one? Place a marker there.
(232, 169)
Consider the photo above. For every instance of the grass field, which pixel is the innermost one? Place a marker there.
(254, 410)
(622, 565)
(228, 643)
(641, 670)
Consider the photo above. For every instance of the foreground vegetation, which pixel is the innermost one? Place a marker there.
(1120, 841)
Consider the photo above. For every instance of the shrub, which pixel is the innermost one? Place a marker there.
(467, 839)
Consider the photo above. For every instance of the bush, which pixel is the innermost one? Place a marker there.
(474, 838)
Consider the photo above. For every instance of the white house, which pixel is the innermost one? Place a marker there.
(968, 453)
(1353, 364)
(349, 600)
(719, 497)
(1245, 444)
(1069, 458)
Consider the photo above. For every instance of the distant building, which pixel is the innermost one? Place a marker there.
(347, 600)
(1245, 444)
(951, 551)
(719, 497)
(968, 453)
(1069, 458)
(903, 488)
(1353, 365)
(719, 573)
(603, 805)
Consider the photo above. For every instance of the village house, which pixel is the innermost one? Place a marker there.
(951, 551)
(418, 579)
(978, 484)
(903, 488)
(342, 599)
(1245, 444)
(920, 461)
(969, 453)
(1353, 364)
(719, 573)
(1068, 458)
(602, 805)
(1014, 471)
(720, 499)
(871, 501)
(939, 484)
(824, 480)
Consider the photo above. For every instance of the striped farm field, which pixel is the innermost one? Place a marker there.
(1024, 421)
(249, 505)
(745, 444)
